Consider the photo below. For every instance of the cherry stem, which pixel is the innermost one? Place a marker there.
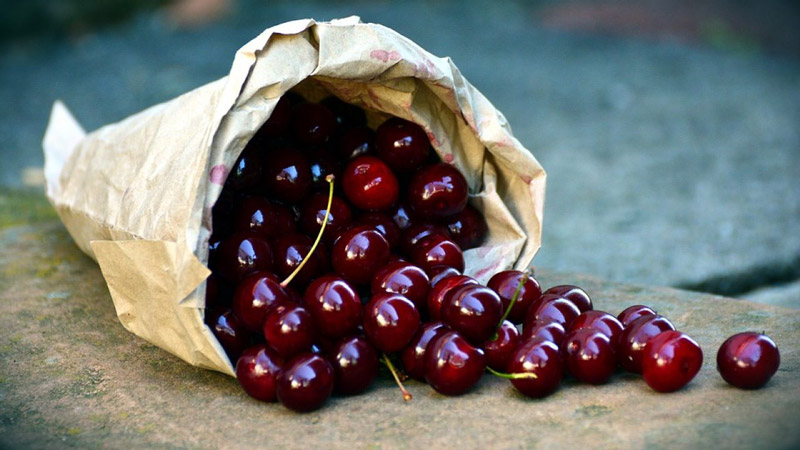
(522, 281)
(297, 270)
(513, 376)
(406, 394)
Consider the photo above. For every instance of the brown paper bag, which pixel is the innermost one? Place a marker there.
(137, 195)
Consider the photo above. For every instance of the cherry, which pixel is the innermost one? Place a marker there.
(439, 273)
(589, 355)
(405, 279)
(549, 330)
(552, 308)
(600, 321)
(287, 176)
(671, 360)
(505, 285)
(369, 183)
(289, 330)
(438, 293)
(635, 337)
(402, 144)
(500, 347)
(219, 294)
(305, 382)
(574, 294)
(290, 251)
(259, 215)
(257, 371)
(334, 305)
(321, 164)
(390, 321)
(541, 358)
(355, 365)
(632, 313)
(355, 142)
(245, 174)
(229, 331)
(748, 360)
(254, 298)
(474, 311)
(452, 364)
(416, 232)
(438, 191)
(403, 216)
(241, 254)
(358, 253)
(313, 123)
(312, 215)
(345, 114)
(384, 223)
(468, 228)
(221, 212)
(278, 122)
(413, 356)
(436, 250)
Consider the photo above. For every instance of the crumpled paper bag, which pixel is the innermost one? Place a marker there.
(137, 195)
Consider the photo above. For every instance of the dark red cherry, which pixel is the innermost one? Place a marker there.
(259, 215)
(452, 364)
(500, 347)
(413, 356)
(289, 330)
(345, 114)
(748, 360)
(255, 296)
(402, 144)
(313, 123)
(403, 216)
(290, 251)
(312, 215)
(437, 191)
(305, 382)
(219, 293)
(436, 250)
(574, 294)
(468, 228)
(384, 223)
(369, 184)
(439, 273)
(405, 279)
(287, 176)
(241, 254)
(221, 213)
(416, 232)
(229, 331)
(474, 311)
(355, 142)
(505, 284)
(278, 122)
(635, 337)
(540, 357)
(632, 313)
(552, 308)
(438, 294)
(589, 355)
(390, 321)
(671, 360)
(334, 305)
(358, 253)
(322, 163)
(245, 174)
(549, 330)
(355, 365)
(257, 371)
(600, 321)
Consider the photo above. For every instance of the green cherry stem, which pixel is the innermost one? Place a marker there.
(512, 376)
(388, 362)
(522, 281)
(291, 276)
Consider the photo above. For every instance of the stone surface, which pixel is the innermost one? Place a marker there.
(787, 295)
(71, 376)
(668, 164)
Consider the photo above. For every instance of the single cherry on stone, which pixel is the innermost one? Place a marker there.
(289, 330)
(505, 284)
(355, 365)
(589, 355)
(439, 293)
(229, 331)
(474, 311)
(540, 358)
(257, 371)
(670, 361)
(390, 321)
(305, 382)
(413, 356)
(748, 360)
(549, 330)
(633, 312)
(634, 338)
(600, 321)
(370, 184)
(358, 253)
(550, 307)
(402, 144)
(452, 364)
(574, 294)
(438, 191)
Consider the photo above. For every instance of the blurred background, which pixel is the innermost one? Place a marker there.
(670, 130)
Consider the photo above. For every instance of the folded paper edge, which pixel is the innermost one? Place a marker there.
(61, 138)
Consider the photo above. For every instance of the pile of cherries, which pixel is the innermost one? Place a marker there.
(337, 247)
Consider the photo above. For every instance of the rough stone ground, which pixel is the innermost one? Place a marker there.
(72, 377)
(669, 163)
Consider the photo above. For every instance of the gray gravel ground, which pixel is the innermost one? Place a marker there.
(668, 164)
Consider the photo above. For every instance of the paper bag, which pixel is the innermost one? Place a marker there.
(137, 195)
